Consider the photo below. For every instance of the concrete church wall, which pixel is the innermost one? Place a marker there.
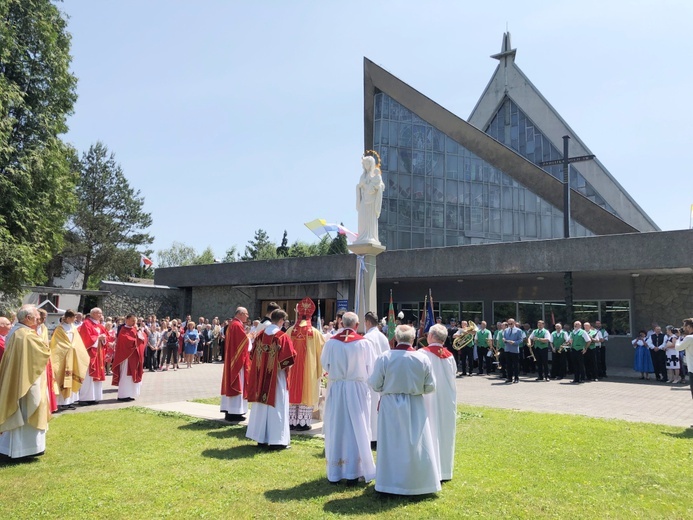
(664, 299)
(221, 301)
(143, 300)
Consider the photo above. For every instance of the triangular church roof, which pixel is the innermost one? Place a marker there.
(508, 81)
(584, 211)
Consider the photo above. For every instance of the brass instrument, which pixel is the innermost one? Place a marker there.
(496, 354)
(466, 337)
(531, 351)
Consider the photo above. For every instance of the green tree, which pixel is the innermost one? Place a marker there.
(177, 255)
(260, 248)
(37, 178)
(231, 254)
(283, 249)
(338, 245)
(206, 257)
(109, 224)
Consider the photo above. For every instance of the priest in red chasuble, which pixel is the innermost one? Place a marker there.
(128, 362)
(94, 336)
(234, 394)
(304, 377)
(270, 359)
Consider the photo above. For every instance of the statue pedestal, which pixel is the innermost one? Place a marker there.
(367, 289)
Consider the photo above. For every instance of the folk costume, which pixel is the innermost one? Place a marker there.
(407, 459)
(70, 362)
(270, 359)
(24, 394)
(441, 407)
(304, 376)
(380, 345)
(92, 387)
(128, 363)
(234, 393)
(348, 360)
(642, 362)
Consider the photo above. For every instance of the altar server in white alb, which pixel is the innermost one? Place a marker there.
(348, 360)
(271, 357)
(380, 345)
(407, 460)
(441, 405)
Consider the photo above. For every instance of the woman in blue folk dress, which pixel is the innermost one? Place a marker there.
(643, 360)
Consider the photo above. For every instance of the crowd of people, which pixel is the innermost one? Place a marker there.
(397, 397)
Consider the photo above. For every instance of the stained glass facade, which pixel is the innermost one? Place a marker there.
(438, 193)
(514, 129)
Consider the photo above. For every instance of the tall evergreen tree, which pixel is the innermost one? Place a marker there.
(37, 93)
(283, 249)
(260, 248)
(109, 223)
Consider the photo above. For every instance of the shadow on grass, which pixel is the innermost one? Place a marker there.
(368, 502)
(685, 434)
(246, 451)
(21, 461)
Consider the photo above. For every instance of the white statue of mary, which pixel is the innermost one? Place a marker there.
(369, 199)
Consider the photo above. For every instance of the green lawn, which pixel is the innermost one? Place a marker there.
(135, 463)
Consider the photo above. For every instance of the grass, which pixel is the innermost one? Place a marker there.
(135, 463)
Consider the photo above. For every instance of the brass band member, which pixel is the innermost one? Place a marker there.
(483, 341)
(500, 347)
(559, 339)
(539, 339)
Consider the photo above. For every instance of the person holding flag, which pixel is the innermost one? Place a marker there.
(391, 324)
(145, 262)
(379, 345)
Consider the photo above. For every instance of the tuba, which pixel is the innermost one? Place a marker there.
(466, 337)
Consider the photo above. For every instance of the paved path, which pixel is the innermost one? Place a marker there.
(621, 396)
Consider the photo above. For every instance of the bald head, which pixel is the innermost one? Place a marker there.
(5, 326)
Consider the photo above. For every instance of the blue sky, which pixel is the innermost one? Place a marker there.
(231, 116)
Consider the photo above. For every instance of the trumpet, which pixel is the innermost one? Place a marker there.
(466, 337)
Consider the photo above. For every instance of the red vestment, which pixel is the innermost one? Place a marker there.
(271, 353)
(236, 358)
(130, 345)
(90, 330)
(299, 339)
(438, 350)
(2, 346)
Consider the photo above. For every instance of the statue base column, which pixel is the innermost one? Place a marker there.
(368, 301)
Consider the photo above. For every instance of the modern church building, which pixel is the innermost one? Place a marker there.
(472, 214)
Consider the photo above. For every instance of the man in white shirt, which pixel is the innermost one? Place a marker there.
(601, 349)
(685, 342)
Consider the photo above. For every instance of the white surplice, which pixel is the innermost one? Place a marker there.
(237, 404)
(270, 424)
(441, 407)
(347, 409)
(91, 390)
(407, 462)
(380, 345)
(126, 386)
(25, 440)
